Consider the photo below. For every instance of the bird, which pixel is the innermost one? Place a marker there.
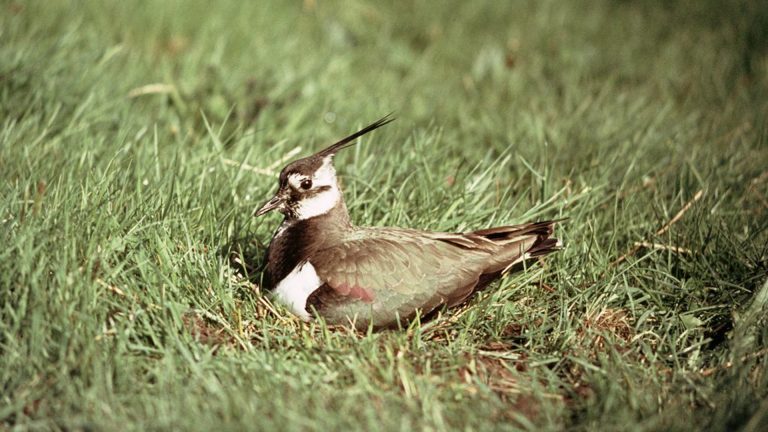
(320, 264)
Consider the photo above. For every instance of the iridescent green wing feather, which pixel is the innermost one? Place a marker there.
(396, 272)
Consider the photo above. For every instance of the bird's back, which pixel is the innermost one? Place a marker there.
(385, 275)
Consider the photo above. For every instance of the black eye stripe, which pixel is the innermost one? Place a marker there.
(316, 191)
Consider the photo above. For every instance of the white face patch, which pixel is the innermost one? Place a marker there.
(294, 290)
(319, 204)
(324, 201)
(296, 179)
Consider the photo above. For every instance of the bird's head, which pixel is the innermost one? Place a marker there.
(308, 187)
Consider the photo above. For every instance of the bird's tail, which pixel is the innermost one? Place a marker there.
(517, 243)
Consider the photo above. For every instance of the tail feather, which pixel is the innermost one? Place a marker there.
(508, 245)
(544, 228)
(515, 244)
(544, 247)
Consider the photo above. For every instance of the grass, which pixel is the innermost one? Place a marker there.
(129, 294)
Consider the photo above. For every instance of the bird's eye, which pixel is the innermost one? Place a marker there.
(306, 184)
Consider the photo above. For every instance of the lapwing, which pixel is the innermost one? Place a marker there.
(321, 264)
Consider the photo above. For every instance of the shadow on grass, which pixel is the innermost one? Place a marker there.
(245, 254)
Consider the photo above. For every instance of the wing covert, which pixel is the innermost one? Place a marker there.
(393, 265)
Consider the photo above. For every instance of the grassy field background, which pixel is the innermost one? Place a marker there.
(137, 138)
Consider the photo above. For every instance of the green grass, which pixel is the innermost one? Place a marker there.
(123, 305)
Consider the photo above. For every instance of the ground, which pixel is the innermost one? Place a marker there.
(137, 139)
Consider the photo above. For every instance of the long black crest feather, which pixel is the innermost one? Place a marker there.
(350, 140)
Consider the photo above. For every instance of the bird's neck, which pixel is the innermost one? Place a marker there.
(296, 240)
(335, 219)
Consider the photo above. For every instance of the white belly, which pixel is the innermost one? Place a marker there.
(294, 290)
